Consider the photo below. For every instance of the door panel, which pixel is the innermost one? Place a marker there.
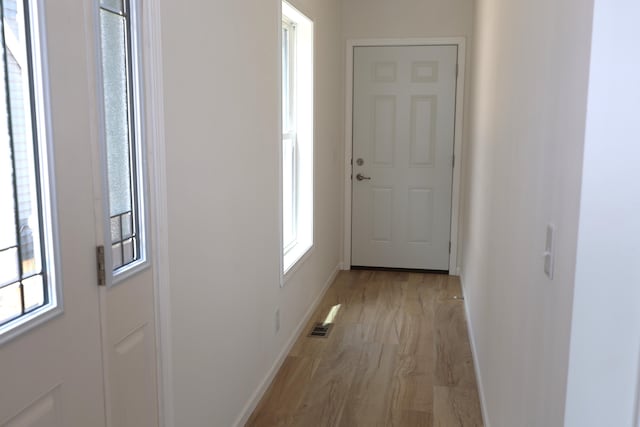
(52, 374)
(423, 131)
(384, 130)
(382, 214)
(420, 215)
(403, 134)
(130, 352)
(44, 412)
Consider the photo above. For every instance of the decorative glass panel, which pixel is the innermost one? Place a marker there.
(33, 293)
(9, 271)
(119, 132)
(10, 302)
(21, 249)
(116, 109)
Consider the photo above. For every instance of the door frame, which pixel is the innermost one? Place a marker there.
(154, 151)
(460, 42)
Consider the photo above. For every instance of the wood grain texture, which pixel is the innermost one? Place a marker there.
(456, 407)
(454, 361)
(398, 355)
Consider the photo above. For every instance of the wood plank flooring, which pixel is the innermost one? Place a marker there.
(398, 354)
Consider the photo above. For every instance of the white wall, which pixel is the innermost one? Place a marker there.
(524, 171)
(406, 18)
(221, 109)
(384, 19)
(603, 374)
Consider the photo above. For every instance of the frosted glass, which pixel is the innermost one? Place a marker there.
(127, 225)
(116, 255)
(115, 229)
(128, 251)
(116, 100)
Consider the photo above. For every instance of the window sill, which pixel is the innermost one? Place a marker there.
(294, 258)
(29, 321)
(129, 271)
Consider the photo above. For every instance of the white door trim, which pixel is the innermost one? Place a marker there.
(457, 148)
(158, 228)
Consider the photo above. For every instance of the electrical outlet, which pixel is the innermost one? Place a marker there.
(277, 324)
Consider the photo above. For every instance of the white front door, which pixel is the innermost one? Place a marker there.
(51, 374)
(91, 359)
(403, 135)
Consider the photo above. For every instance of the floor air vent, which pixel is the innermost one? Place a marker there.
(320, 330)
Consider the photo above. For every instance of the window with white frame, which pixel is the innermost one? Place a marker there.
(297, 135)
(122, 134)
(27, 259)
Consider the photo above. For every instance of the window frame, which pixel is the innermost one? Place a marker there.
(137, 118)
(43, 156)
(289, 131)
(302, 95)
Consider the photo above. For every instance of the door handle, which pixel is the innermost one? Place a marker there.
(361, 177)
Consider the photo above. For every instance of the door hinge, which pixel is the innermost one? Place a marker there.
(453, 161)
(102, 277)
(449, 247)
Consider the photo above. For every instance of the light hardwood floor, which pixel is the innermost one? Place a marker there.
(398, 354)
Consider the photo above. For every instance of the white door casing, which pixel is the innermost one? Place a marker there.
(404, 100)
(51, 375)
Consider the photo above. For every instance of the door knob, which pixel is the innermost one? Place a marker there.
(361, 177)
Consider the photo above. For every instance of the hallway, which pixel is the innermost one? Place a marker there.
(398, 354)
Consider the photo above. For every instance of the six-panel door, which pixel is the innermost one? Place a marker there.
(403, 135)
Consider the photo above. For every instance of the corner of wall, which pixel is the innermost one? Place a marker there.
(474, 352)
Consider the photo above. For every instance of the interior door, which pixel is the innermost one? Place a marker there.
(403, 136)
(51, 374)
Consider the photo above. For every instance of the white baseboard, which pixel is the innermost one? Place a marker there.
(266, 382)
(476, 363)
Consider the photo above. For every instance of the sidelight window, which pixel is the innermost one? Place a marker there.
(122, 134)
